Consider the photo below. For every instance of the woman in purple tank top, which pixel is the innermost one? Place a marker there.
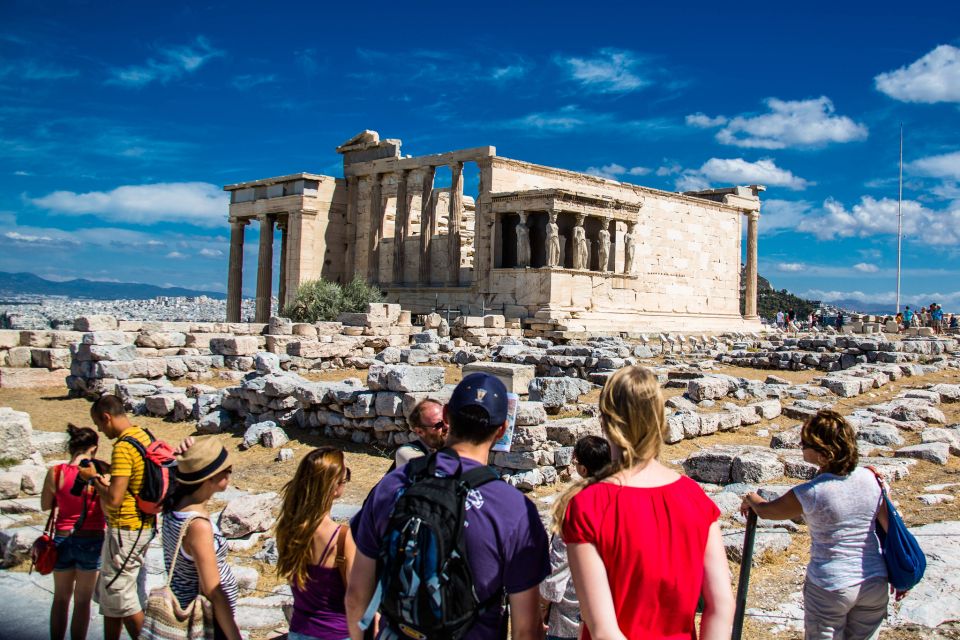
(315, 553)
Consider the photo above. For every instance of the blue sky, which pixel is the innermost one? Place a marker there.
(120, 122)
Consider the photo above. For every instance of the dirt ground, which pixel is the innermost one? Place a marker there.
(771, 581)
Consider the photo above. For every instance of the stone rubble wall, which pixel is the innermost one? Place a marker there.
(104, 351)
(834, 353)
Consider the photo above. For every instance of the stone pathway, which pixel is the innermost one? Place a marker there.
(25, 607)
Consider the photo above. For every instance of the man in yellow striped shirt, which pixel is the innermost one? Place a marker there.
(121, 589)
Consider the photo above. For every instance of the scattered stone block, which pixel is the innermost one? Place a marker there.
(515, 377)
(935, 452)
(15, 433)
(768, 543)
(236, 346)
(756, 466)
(248, 514)
(708, 388)
(95, 323)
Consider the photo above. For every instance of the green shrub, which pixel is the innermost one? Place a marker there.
(315, 300)
(320, 300)
(357, 295)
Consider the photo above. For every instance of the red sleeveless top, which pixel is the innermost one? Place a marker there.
(69, 506)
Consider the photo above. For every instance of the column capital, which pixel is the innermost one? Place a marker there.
(240, 221)
(753, 215)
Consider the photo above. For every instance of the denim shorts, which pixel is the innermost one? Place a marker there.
(80, 553)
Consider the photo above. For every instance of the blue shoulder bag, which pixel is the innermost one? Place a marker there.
(901, 551)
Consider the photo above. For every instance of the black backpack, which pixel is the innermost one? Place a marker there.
(426, 583)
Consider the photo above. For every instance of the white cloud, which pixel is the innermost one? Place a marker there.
(933, 78)
(740, 171)
(779, 215)
(703, 121)
(789, 123)
(249, 81)
(23, 237)
(791, 267)
(197, 203)
(33, 70)
(946, 165)
(210, 253)
(866, 267)
(610, 71)
(873, 216)
(571, 118)
(691, 181)
(176, 255)
(170, 64)
(615, 171)
(669, 169)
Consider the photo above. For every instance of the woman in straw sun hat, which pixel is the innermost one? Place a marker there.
(202, 470)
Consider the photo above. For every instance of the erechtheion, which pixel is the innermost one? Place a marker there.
(536, 242)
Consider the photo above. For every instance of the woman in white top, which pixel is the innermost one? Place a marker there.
(845, 593)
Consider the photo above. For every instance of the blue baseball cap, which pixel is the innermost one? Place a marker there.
(481, 390)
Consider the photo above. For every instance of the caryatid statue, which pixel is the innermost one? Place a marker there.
(553, 241)
(629, 248)
(581, 252)
(523, 241)
(604, 248)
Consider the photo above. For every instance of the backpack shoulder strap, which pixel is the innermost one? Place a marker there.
(418, 467)
(136, 444)
(480, 476)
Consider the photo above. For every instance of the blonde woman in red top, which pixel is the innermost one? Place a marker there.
(644, 542)
(79, 528)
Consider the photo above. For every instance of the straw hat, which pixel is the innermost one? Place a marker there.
(205, 459)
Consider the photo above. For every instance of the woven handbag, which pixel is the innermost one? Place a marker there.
(165, 619)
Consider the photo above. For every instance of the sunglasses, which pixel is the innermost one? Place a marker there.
(438, 426)
(346, 476)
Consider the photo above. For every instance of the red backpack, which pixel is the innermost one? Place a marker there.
(159, 473)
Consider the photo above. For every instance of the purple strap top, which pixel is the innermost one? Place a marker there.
(318, 608)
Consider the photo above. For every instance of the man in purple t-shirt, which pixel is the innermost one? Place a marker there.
(506, 543)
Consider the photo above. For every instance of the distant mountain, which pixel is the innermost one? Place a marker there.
(872, 308)
(30, 284)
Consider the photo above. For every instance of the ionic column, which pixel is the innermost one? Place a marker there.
(376, 227)
(750, 308)
(264, 269)
(283, 225)
(428, 224)
(352, 232)
(400, 227)
(235, 273)
(453, 223)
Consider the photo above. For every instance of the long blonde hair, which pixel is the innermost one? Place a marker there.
(307, 499)
(633, 420)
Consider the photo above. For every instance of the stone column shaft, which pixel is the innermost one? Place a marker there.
(428, 224)
(284, 271)
(750, 308)
(376, 228)
(352, 234)
(264, 269)
(400, 227)
(235, 273)
(453, 223)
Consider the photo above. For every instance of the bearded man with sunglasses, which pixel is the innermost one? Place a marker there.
(427, 423)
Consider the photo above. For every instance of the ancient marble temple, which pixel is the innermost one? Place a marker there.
(534, 242)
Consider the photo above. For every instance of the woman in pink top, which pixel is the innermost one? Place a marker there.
(79, 530)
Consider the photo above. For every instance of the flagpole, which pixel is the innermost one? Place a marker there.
(899, 221)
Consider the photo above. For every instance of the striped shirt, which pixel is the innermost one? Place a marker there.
(185, 582)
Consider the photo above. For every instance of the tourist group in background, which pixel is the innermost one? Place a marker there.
(443, 548)
(931, 316)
